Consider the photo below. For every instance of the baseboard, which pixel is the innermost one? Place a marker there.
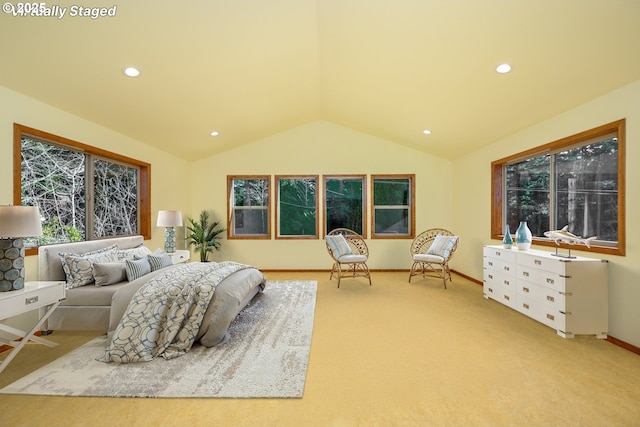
(632, 348)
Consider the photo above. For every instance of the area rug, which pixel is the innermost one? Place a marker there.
(266, 356)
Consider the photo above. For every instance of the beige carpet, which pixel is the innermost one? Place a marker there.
(392, 354)
(266, 356)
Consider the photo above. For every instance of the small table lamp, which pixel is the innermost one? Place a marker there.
(16, 222)
(169, 219)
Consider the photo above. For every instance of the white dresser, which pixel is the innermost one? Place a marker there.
(569, 295)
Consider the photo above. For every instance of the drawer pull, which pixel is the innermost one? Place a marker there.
(566, 312)
(490, 276)
(506, 268)
(31, 300)
(550, 298)
(506, 297)
(550, 281)
(537, 262)
(551, 317)
(506, 282)
(525, 273)
(565, 293)
(490, 290)
(498, 253)
(525, 306)
(525, 289)
(490, 264)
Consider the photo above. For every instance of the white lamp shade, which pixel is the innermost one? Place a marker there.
(169, 219)
(19, 221)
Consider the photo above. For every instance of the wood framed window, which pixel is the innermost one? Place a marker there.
(578, 182)
(82, 192)
(393, 213)
(345, 201)
(249, 207)
(297, 206)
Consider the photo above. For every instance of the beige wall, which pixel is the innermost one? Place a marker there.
(169, 175)
(473, 197)
(322, 148)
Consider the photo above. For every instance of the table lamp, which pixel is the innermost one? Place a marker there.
(16, 222)
(169, 219)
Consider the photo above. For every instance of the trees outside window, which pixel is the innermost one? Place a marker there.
(297, 202)
(345, 203)
(83, 193)
(576, 182)
(393, 206)
(249, 207)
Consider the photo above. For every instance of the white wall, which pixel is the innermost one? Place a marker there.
(472, 203)
(322, 148)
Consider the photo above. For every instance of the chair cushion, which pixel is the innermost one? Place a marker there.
(352, 258)
(442, 246)
(338, 245)
(437, 259)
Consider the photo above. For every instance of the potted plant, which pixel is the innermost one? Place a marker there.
(204, 236)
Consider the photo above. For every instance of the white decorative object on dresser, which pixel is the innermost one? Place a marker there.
(569, 295)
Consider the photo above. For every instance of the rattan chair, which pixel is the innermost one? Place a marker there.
(349, 255)
(433, 262)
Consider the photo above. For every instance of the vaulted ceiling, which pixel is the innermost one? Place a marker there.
(390, 68)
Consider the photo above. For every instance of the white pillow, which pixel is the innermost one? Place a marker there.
(109, 273)
(338, 245)
(442, 246)
(135, 253)
(79, 267)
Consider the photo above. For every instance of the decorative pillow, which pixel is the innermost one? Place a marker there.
(79, 267)
(159, 260)
(137, 268)
(442, 245)
(338, 245)
(135, 253)
(108, 273)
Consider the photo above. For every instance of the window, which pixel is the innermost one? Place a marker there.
(393, 206)
(576, 182)
(297, 215)
(249, 209)
(344, 203)
(83, 193)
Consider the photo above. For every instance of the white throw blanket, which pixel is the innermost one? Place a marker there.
(164, 316)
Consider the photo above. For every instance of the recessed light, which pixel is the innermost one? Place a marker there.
(426, 132)
(215, 133)
(131, 72)
(503, 68)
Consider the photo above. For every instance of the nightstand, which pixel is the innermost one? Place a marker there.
(34, 295)
(180, 256)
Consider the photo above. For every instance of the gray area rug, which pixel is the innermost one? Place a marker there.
(266, 356)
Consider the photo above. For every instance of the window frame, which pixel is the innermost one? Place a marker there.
(144, 190)
(276, 189)
(231, 207)
(326, 178)
(582, 138)
(412, 207)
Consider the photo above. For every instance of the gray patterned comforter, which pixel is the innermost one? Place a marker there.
(164, 316)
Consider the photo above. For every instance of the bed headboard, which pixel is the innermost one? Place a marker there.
(50, 266)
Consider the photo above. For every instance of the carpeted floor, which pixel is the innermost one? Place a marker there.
(391, 354)
(266, 356)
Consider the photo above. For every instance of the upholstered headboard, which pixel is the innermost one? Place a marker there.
(50, 266)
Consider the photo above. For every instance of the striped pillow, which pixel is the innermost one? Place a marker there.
(338, 245)
(137, 268)
(159, 260)
(442, 246)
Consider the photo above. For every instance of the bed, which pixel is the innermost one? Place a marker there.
(101, 307)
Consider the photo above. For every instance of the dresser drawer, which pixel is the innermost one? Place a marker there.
(33, 296)
(541, 277)
(541, 312)
(544, 262)
(500, 265)
(506, 255)
(542, 294)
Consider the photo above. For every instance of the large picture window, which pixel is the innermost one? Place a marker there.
(249, 207)
(344, 203)
(393, 206)
(577, 182)
(297, 215)
(83, 193)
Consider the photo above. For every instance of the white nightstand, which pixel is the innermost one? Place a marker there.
(179, 256)
(34, 295)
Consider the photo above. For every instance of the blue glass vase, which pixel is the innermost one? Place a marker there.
(507, 242)
(523, 236)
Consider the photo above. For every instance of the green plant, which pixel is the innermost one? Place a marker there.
(204, 236)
